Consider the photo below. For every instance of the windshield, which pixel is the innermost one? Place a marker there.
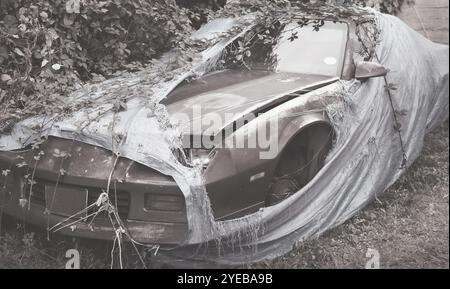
(315, 48)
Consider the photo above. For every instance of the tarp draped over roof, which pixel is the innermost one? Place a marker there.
(364, 161)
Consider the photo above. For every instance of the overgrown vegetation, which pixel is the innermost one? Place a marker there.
(51, 47)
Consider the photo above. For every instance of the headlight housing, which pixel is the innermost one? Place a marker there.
(200, 157)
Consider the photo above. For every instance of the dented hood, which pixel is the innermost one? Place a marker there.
(229, 94)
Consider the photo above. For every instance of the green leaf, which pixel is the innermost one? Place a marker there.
(19, 52)
(5, 78)
(73, 6)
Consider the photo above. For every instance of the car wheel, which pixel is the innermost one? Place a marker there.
(300, 161)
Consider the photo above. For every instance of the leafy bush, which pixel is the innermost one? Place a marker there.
(201, 9)
(48, 46)
(385, 6)
(87, 35)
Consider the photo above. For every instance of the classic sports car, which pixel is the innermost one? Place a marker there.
(278, 78)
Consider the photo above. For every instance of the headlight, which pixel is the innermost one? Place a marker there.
(201, 157)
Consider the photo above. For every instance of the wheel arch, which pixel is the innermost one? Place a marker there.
(295, 129)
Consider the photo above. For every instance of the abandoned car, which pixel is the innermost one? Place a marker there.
(276, 78)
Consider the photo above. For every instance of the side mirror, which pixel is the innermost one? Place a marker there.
(366, 70)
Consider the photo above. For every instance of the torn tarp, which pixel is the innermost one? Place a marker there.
(364, 162)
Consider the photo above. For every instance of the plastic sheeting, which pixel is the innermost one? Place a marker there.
(364, 161)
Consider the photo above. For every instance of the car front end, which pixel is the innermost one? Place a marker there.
(59, 186)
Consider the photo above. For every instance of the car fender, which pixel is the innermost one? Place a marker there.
(241, 174)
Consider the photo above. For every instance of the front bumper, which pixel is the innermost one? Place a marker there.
(140, 231)
(84, 178)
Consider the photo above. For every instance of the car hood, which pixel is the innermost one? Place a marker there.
(230, 94)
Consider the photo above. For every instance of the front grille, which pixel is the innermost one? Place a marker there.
(123, 198)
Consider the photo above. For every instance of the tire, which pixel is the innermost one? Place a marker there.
(300, 161)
